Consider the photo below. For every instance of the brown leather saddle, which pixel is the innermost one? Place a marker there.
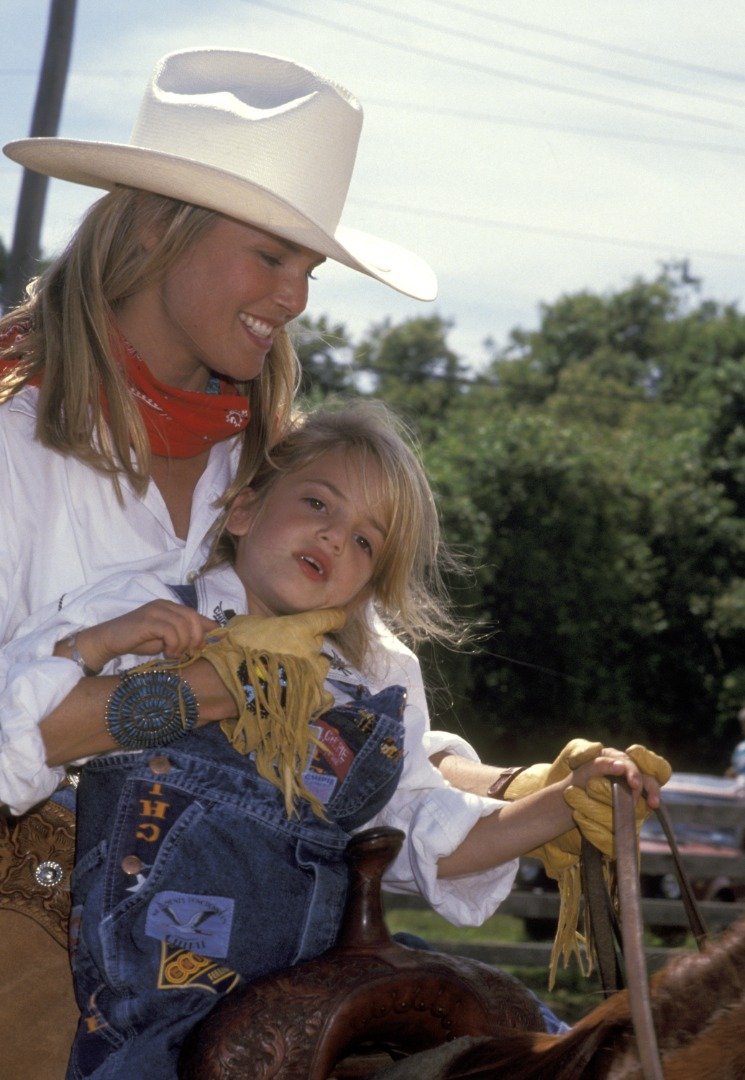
(366, 1002)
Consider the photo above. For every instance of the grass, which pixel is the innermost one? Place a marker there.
(573, 994)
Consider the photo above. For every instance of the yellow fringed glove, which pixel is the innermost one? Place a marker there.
(274, 670)
(593, 814)
(562, 851)
(560, 856)
(592, 808)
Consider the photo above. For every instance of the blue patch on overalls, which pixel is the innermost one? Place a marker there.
(201, 924)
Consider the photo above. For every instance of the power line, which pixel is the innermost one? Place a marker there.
(521, 50)
(579, 39)
(545, 125)
(472, 65)
(546, 230)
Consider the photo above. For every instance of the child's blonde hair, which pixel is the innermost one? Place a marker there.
(66, 316)
(407, 587)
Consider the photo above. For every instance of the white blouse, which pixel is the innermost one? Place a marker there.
(434, 816)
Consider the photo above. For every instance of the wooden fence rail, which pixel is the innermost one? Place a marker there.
(711, 835)
(521, 904)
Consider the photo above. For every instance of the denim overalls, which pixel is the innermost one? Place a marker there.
(190, 878)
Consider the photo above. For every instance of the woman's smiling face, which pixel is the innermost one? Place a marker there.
(313, 539)
(220, 305)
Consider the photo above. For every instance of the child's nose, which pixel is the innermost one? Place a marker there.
(334, 537)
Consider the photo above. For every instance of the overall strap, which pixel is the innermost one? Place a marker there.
(187, 594)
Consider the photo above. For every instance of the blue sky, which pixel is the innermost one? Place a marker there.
(525, 148)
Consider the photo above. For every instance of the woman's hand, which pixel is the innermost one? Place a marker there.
(162, 626)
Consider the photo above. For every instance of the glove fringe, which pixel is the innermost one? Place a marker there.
(569, 942)
(277, 694)
(277, 724)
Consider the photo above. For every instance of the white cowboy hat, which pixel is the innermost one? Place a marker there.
(256, 137)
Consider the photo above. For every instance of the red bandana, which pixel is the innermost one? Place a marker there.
(179, 423)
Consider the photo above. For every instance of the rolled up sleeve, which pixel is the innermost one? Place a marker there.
(435, 819)
(446, 742)
(30, 692)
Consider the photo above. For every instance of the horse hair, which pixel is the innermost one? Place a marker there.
(698, 1007)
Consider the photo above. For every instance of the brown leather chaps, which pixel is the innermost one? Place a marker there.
(37, 1006)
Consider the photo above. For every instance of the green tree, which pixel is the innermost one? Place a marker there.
(412, 368)
(566, 586)
(324, 351)
(596, 472)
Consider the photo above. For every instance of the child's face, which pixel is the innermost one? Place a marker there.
(314, 539)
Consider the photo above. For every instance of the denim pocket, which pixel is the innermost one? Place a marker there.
(376, 769)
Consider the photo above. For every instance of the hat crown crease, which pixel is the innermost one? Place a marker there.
(294, 136)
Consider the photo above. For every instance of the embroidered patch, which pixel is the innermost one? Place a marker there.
(343, 731)
(390, 749)
(222, 616)
(333, 748)
(337, 662)
(329, 762)
(93, 1020)
(201, 924)
(322, 785)
(180, 969)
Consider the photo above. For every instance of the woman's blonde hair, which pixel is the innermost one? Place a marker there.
(67, 313)
(407, 585)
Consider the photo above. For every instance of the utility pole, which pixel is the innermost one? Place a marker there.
(30, 213)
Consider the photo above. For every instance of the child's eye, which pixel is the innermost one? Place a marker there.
(365, 544)
(314, 503)
(269, 259)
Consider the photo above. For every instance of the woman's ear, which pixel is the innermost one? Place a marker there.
(150, 235)
(242, 512)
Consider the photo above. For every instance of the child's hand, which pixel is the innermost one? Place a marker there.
(643, 770)
(589, 794)
(162, 626)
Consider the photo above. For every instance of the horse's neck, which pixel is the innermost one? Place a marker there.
(691, 988)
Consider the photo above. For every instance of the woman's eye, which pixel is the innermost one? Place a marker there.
(270, 260)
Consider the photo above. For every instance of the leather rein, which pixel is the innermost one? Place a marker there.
(611, 939)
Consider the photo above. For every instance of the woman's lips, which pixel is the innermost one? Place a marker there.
(262, 332)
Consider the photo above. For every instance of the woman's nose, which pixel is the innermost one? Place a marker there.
(292, 292)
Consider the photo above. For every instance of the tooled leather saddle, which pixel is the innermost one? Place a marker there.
(366, 1002)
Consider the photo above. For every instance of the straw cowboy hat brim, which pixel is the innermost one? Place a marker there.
(255, 137)
(106, 165)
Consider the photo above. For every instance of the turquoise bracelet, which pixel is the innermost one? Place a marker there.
(150, 708)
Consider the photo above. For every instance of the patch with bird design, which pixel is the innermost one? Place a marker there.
(201, 924)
